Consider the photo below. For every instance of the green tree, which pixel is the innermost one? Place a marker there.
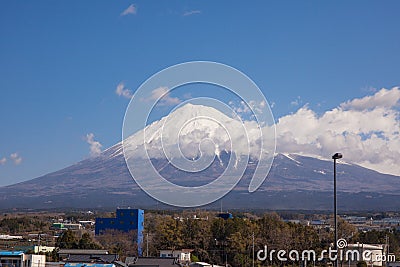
(240, 242)
(67, 240)
(53, 255)
(345, 229)
(169, 234)
(86, 242)
(196, 233)
(194, 258)
(119, 242)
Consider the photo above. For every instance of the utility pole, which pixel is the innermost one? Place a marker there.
(253, 249)
(147, 244)
(387, 250)
(335, 157)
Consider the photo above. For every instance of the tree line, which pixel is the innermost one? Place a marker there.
(212, 239)
(216, 240)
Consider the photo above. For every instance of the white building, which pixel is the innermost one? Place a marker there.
(181, 255)
(10, 237)
(203, 264)
(73, 226)
(20, 259)
(376, 253)
(42, 249)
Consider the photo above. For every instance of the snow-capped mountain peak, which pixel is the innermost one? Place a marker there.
(192, 131)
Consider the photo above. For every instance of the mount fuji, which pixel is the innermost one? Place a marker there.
(294, 182)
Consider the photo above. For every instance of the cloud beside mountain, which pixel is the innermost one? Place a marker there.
(365, 130)
(94, 146)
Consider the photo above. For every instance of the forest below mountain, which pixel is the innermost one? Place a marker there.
(212, 239)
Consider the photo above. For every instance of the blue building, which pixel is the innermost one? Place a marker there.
(225, 215)
(126, 220)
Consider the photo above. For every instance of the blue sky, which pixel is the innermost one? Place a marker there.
(61, 61)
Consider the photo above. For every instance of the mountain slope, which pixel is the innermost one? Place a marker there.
(294, 182)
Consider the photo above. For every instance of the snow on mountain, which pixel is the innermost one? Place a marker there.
(295, 182)
(192, 131)
(291, 158)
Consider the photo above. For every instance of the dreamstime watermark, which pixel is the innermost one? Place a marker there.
(343, 253)
(193, 140)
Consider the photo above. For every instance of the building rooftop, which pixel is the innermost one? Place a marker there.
(92, 258)
(83, 251)
(151, 261)
(88, 265)
(11, 253)
(202, 263)
(366, 246)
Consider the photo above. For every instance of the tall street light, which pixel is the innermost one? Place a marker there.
(335, 157)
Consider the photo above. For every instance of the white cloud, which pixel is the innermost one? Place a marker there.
(162, 95)
(123, 91)
(368, 136)
(369, 89)
(365, 130)
(242, 108)
(296, 102)
(191, 12)
(383, 98)
(130, 10)
(194, 128)
(249, 107)
(3, 161)
(17, 159)
(95, 146)
(272, 105)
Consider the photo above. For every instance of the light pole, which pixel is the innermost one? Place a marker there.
(253, 249)
(335, 157)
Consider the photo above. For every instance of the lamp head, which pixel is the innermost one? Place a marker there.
(337, 156)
